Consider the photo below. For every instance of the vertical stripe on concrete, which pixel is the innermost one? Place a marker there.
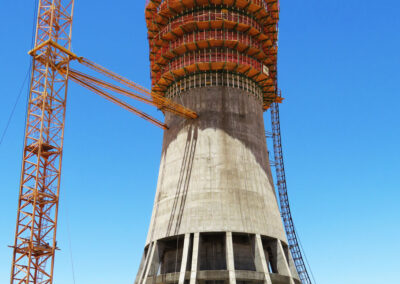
(260, 260)
(184, 259)
(283, 263)
(149, 262)
(195, 256)
(230, 262)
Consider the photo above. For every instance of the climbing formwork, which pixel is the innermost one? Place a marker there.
(203, 37)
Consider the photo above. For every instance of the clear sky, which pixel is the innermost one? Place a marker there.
(339, 72)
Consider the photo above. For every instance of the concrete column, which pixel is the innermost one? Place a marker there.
(149, 263)
(283, 266)
(184, 259)
(230, 262)
(195, 256)
(260, 260)
(141, 267)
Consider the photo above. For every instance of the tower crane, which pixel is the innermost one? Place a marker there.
(35, 235)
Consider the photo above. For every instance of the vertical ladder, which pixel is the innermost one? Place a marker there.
(283, 197)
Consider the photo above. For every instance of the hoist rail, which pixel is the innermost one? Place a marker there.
(92, 87)
(284, 199)
(142, 93)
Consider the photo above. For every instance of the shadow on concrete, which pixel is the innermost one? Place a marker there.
(231, 110)
(183, 181)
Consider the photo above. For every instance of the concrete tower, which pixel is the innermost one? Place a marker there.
(215, 217)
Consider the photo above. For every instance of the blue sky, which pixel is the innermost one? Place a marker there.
(339, 72)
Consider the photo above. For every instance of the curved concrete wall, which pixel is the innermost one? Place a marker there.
(214, 173)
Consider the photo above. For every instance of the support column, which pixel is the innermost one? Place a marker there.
(260, 260)
(195, 256)
(150, 263)
(283, 266)
(184, 259)
(230, 263)
(141, 266)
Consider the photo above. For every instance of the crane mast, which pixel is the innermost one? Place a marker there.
(35, 237)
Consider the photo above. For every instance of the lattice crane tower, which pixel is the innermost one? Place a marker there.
(215, 217)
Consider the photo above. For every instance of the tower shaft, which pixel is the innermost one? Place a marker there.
(215, 217)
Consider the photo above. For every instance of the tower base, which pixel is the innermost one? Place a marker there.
(217, 258)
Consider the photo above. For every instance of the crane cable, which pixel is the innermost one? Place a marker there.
(35, 8)
(70, 242)
(15, 106)
(305, 256)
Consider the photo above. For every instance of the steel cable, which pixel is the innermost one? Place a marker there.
(15, 106)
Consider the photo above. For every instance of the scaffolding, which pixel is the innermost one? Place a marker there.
(189, 37)
(284, 199)
(208, 79)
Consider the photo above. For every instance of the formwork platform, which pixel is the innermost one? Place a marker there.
(209, 36)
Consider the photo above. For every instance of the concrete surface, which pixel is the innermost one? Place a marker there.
(215, 177)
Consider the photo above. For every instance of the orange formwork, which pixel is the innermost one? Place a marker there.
(196, 36)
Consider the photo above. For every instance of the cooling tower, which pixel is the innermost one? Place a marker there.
(215, 217)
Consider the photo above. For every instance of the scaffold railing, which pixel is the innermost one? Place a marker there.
(160, 2)
(284, 199)
(194, 36)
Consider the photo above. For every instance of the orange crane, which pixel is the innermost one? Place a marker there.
(35, 235)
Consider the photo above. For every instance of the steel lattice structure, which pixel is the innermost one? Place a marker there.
(35, 235)
(35, 238)
(284, 199)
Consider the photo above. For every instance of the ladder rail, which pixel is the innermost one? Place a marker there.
(284, 199)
